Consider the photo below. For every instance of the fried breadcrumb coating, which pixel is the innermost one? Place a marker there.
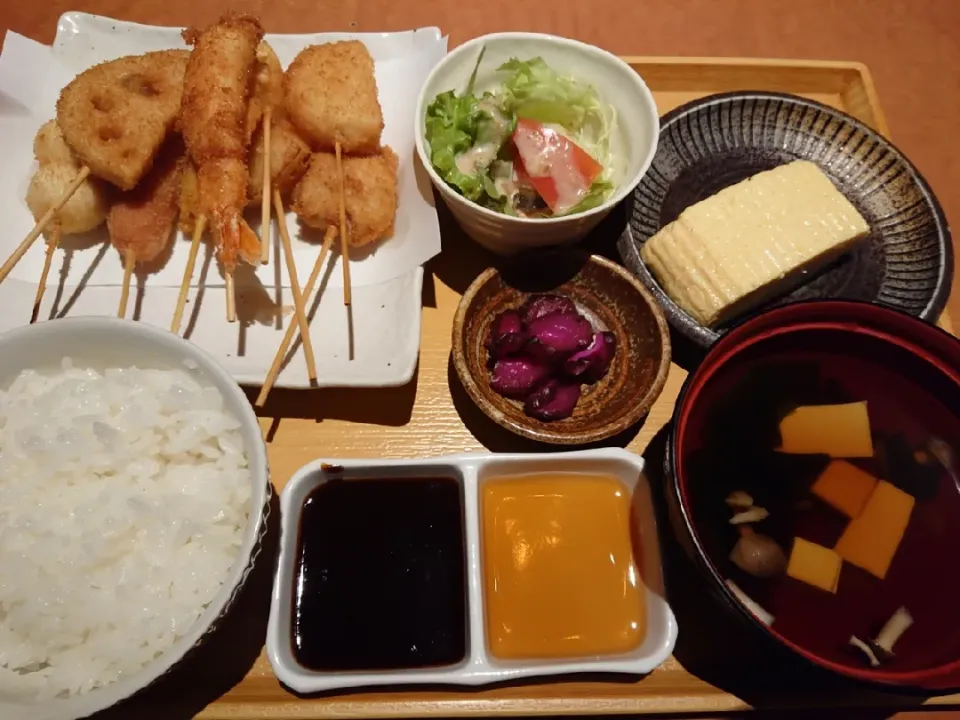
(370, 195)
(330, 95)
(116, 115)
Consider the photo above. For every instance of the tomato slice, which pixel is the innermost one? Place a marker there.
(560, 170)
(544, 186)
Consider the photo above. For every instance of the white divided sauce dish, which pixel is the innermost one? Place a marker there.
(479, 666)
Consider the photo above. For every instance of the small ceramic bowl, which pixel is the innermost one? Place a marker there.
(103, 342)
(723, 438)
(613, 300)
(479, 665)
(719, 140)
(633, 140)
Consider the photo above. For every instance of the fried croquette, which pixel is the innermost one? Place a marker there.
(116, 115)
(330, 94)
(289, 158)
(370, 195)
(141, 221)
(85, 210)
(50, 147)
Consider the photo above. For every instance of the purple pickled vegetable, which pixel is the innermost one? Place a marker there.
(557, 336)
(536, 306)
(592, 364)
(507, 335)
(553, 400)
(517, 377)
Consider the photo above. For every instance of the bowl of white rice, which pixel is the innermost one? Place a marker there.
(134, 493)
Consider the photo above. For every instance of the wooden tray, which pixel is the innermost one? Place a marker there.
(715, 669)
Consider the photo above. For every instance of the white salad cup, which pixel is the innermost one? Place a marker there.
(633, 141)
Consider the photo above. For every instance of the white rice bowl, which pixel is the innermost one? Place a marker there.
(133, 482)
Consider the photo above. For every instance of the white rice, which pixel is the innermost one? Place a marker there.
(123, 500)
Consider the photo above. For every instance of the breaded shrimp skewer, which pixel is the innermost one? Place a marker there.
(217, 88)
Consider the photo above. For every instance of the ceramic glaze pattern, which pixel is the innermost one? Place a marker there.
(709, 144)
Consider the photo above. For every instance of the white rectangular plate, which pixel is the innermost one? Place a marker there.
(385, 314)
(386, 329)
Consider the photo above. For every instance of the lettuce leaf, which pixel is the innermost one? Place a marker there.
(537, 92)
(598, 192)
(452, 126)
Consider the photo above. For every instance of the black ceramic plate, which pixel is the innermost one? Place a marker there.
(706, 145)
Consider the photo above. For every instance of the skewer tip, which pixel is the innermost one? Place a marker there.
(129, 261)
(231, 297)
(344, 244)
(265, 226)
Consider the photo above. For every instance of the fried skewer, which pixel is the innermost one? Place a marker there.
(42, 223)
(369, 191)
(116, 116)
(344, 243)
(298, 299)
(292, 327)
(90, 140)
(111, 120)
(84, 210)
(286, 161)
(330, 94)
(215, 125)
(141, 222)
(129, 260)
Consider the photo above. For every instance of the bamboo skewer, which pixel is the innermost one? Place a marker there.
(52, 244)
(344, 245)
(265, 197)
(129, 261)
(292, 327)
(42, 223)
(298, 299)
(188, 274)
(231, 296)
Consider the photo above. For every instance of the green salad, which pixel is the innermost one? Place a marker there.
(538, 146)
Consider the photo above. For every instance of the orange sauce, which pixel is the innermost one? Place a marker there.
(560, 580)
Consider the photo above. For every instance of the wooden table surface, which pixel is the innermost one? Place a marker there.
(910, 45)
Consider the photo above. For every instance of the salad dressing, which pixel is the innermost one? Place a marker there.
(494, 133)
(477, 158)
(560, 580)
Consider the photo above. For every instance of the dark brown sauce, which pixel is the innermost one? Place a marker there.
(380, 580)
